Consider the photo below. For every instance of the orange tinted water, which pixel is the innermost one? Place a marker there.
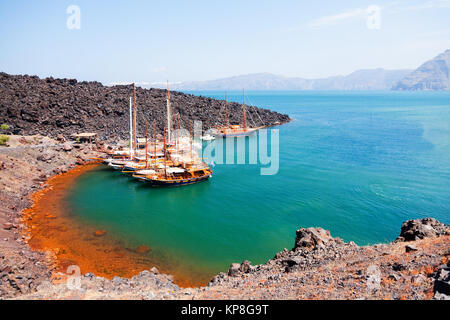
(52, 228)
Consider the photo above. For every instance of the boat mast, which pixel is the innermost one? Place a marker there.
(131, 130)
(164, 150)
(190, 134)
(169, 122)
(226, 111)
(146, 145)
(154, 145)
(134, 104)
(243, 110)
(177, 128)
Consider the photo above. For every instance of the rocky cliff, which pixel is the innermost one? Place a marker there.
(31, 105)
(432, 75)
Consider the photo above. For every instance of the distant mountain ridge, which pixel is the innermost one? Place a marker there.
(369, 79)
(432, 75)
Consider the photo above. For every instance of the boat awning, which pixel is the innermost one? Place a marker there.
(145, 172)
(130, 164)
(175, 170)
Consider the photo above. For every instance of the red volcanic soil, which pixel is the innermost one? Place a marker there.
(71, 242)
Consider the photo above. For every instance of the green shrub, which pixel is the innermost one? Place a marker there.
(4, 127)
(3, 139)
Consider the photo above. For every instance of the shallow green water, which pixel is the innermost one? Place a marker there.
(357, 163)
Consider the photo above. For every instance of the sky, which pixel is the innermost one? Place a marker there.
(146, 41)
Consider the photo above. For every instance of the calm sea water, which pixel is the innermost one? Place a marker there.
(356, 163)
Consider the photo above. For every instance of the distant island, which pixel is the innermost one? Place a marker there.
(370, 79)
(432, 75)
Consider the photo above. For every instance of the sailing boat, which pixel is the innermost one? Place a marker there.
(138, 162)
(170, 174)
(121, 157)
(236, 130)
(131, 159)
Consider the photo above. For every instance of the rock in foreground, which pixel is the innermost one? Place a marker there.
(420, 229)
(318, 267)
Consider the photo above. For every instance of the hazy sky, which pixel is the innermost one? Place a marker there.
(151, 41)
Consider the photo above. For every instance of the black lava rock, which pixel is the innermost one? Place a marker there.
(51, 107)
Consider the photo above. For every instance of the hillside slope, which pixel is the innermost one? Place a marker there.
(64, 106)
(432, 75)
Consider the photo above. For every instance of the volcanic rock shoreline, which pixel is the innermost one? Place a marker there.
(415, 266)
(49, 107)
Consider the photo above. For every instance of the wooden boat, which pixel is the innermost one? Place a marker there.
(176, 170)
(131, 166)
(236, 130)
(147, 160)
(130, 159)
(118, 157)
(110, 159)
(141, 163)
(117, 164)
(174, 176)
(116, 154)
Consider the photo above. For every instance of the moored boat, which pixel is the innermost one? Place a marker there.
(174, 176)
(177, 169)
(208, 137)
(117, 164)
(236, 130)
(171, 162)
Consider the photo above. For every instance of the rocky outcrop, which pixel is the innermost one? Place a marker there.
(237, 269)
(61, 107)
(421, 228)
(318, 267)
(25, 170)
(312, 238)
(432, 75)
(442, 282)
(323, 267)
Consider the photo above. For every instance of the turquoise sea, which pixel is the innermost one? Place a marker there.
(355, 163)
